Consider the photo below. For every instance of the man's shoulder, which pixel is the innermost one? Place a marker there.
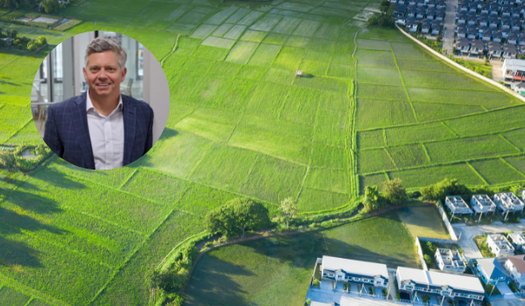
(142, 106)
(66, 104)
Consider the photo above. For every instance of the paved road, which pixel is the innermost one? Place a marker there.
(470, 250)
(449, 23)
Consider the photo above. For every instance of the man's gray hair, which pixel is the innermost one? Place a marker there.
(100, 44)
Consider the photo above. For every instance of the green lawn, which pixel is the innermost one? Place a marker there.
(423, 222)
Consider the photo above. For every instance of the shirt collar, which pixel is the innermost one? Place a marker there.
(89, 104)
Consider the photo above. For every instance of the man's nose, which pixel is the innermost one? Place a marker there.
(102, 74)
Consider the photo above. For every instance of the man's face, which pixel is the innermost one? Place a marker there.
(103, 74)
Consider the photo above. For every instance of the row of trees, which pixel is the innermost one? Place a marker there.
(384, 19)
(170, 281)
(22, 43)
(394, 194)
(49, 6)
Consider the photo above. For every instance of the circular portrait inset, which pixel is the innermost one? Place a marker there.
(100, 100)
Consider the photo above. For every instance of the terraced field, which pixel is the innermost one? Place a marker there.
(240, 124)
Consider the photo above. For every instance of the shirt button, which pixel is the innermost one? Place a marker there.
(109, 163)
(108, 140)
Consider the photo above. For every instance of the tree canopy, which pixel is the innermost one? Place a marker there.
(236, 217)
(288, 209)
(395, 193)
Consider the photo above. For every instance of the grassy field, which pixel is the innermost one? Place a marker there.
(276, 271)
(242, 124)
(423, 222)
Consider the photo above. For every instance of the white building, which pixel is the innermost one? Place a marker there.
(481, 203)
(457, 205)
(499, 245)
(439, 285)
(450, 260)
(516, 267)
(354, 271)
(513, 69)
(508, 202)
(518, 240)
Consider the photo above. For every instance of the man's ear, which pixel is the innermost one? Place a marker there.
(124, 71)
(85, 73)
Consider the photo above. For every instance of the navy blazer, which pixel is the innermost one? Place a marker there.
(67, 132)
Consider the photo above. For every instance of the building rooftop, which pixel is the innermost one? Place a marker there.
(519, 262)
(435, 278)
(492, 267)
(354, 266)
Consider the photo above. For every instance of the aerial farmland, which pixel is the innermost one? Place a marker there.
(371, 106)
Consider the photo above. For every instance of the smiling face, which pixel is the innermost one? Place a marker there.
(104, 75)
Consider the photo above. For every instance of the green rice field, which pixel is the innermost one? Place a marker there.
(371, 106)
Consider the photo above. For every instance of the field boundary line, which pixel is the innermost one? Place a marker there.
(30, 300)
(302, 184)
(16, 132)
(426, 152)
(440, 88)
(210, 186)
(450, 129)
(104, 220)
(477, 173)
(386, 176)
(249, 172)
(354, 181)
(199, 161)
(176, 246)
(510, 143)
(122, 191)
(403, 83)
(448, 103)
(444, 164)
(171, 51)
(511, 166)
(31, 291)
(390, 156)
(126, 180)
(472, 73)
(137, 249)
(59, 245)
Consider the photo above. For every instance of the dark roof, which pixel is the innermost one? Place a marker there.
(519, 262)
(495, 46)
(477, 44)
(510, 48)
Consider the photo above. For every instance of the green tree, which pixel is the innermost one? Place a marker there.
(428, 259)
(385, 5)
(12, 33)
(444, 188)
(50, 6)
(249, 215)
(395, 193)
(371, 201)
(237, 216)
(288, 209)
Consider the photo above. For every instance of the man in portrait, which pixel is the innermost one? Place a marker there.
(100, 129)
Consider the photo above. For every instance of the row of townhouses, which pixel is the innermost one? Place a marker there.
(504, 204)
(413, 284)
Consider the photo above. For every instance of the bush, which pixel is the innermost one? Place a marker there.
(315, 283)
(444, 188)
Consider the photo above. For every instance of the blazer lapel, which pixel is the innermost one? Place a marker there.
(129, 128)
(79, 117)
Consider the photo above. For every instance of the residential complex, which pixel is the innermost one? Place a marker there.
(450, 260)
(508, 202)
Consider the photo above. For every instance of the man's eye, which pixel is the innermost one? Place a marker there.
(94, 69)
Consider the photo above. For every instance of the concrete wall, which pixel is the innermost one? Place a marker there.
(447, 223)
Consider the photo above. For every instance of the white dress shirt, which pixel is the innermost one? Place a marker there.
(107, 136)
